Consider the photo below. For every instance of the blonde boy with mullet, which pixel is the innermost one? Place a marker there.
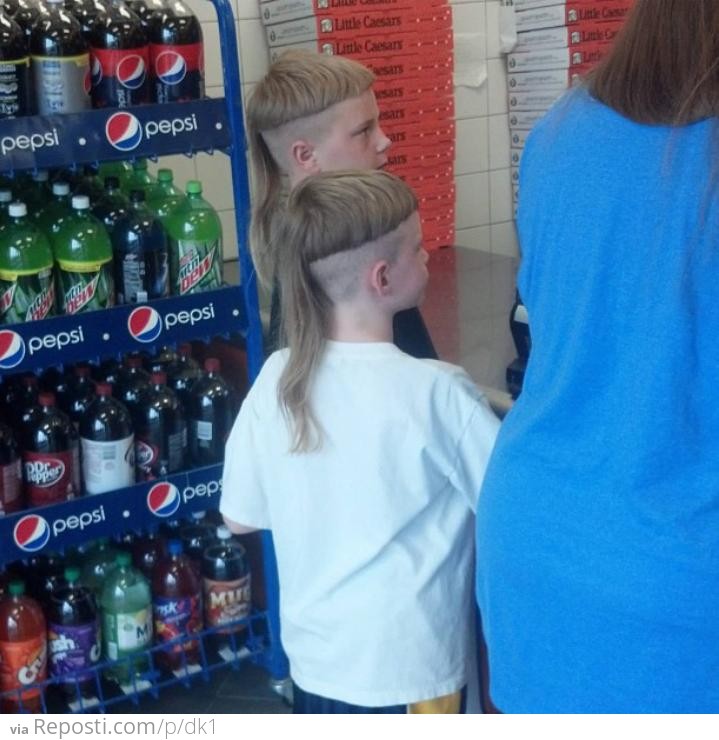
(313, 113)
(363, 461)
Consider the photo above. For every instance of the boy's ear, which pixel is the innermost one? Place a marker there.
(302, 154)
(379, 278)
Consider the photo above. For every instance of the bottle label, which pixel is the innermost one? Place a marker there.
(120, 77)
(127, 633)
(85, 286)
(146, 457)
(178, 71)
(23, 663)
(199, 265)
(10, 487)
(107, 466)
(148, 274)
(15, 87)
(26, 297)
(48, 477)
(203, 430)
(62, 84)
(227, 601)
(176, 617)
(73, 648)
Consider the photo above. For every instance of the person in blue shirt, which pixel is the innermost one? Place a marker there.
(598, 521)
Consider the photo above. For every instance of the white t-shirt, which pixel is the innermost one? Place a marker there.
(373, 532)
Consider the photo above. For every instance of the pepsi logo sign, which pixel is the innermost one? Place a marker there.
(163, 499)
(123, 131)
(144, 324)
(170, 67)
(131, 71)
(31, 533)
(12, 349)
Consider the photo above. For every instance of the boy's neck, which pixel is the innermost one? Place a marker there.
(351, 325)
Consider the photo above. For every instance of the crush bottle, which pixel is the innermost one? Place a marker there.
(60, 62)
(73, 631)
(120, 59)
(23, 651)
(27, 290)
(15, 89)
(107, 443)
(141, 258)
(83, 254)
(177, 55)
(126, 606)
(195, 233)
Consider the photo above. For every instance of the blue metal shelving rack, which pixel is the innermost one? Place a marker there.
(40, 142)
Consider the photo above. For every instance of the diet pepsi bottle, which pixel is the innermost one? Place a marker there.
(160, 431)
(108, 444)
(50, 455)
(177, 55)
(142, 267)
(120, 59)
(15, 93)
(60, 62)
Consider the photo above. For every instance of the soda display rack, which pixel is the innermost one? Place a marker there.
(216, 651)
(71, 140)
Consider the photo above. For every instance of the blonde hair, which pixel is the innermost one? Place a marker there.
(327, 214)
(299, 84)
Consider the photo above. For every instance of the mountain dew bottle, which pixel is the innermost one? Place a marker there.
(195, 233)
(83, 254)
(27, 290)
(51, 216)
(120, 170)
(164, 198)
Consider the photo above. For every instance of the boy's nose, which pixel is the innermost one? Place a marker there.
(384, 142)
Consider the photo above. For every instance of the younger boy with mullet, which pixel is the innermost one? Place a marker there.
(363, 461)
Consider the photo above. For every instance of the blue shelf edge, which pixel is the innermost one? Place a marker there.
(35, 345)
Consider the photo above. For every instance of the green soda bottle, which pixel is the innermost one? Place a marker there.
(126, 605)
(164, 198)
(83, 254)
(195, 233)
(90, 184)
(120, 170)
(35, 192)
(139, 178)
(49, 219)
(113, 205)
(5, 200)
(27, 290)
(98, 563)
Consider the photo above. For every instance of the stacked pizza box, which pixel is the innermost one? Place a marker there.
(408, 44)
(558, 41)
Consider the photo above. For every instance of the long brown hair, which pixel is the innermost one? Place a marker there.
(326, 214)
(663, 67)
(300, 83)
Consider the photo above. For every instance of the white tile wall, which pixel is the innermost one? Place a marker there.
(484, 199)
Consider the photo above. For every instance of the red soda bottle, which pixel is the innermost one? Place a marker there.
(147, 552)
(177, 607)
(23, 651)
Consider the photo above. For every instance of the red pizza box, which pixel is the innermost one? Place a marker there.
(568, 36)
(572, 13)
(548, 59)
(351, 27)
(278, 11)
